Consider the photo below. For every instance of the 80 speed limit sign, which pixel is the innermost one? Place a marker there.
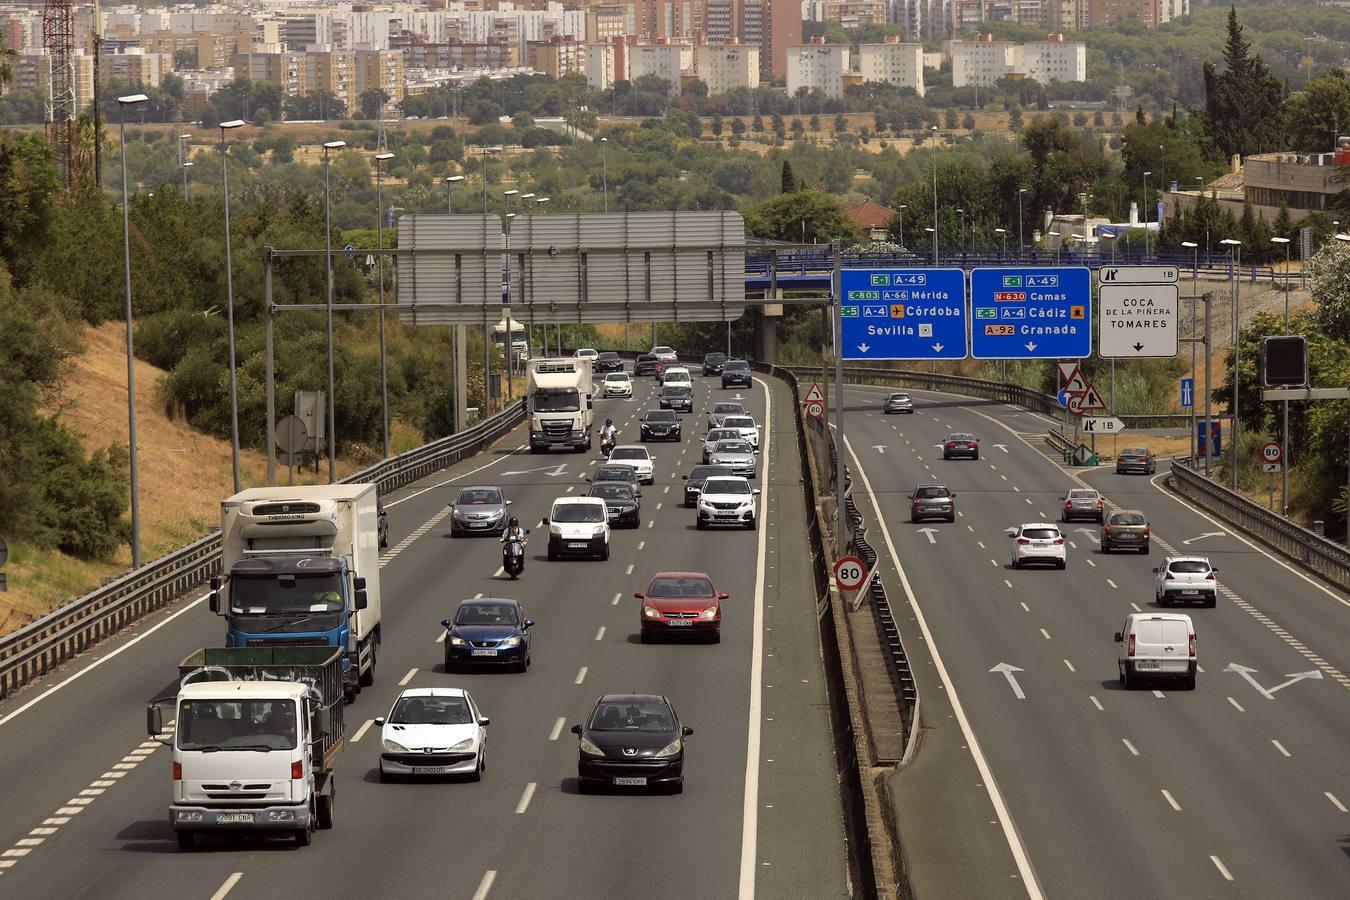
(1272, 452)
(849, 573)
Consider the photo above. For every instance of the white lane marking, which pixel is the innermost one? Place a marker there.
(1280, 747)
(1112, 583)
(642, 545)
(1172, 801)
(1070, 666)
(1236, 705)
(361, 732)
(30, 841)
(667, 490)
(1135, 607)
(600, 635)
(499, 573)
(440, 638)
(407, 678)
(1072, 545)
(581, 675)
(750, 802)
(1334, 802)
(615, 601)
(227, 886)
(1097, 703)
(1129, 746)
(1007, 582)
(1158, 694)
(1045, 634)
(56, 820)
(981, 543)
(1010, 832)
(1025, 608)
(485, 885)
(1090, 563)
(525, 798)
(557, 728)
(1223, 870)
(630, 569)
(478, 596)
(42, 832)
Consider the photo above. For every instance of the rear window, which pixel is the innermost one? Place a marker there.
(1040, 534)
(930, 492)
(1082, 495)
(1134, 452)
(615, 473)
(677, 391)
(899, 396)
(726, 409)
(738, 422)
(737, 365)
(1127, 519)
(630, 453)
(732, 447)
(1189, 567)
(702, 472)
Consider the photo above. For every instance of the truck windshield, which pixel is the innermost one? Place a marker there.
(236, 725)
(286, 594)
(557, 401)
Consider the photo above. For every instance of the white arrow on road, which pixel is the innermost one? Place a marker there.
(554, 471)
(1030, 346)
(929, 532)
(1268, 693)
(1205, 535)
(863, 348)
(937, 348)
(1003, 447)
(1088, 533)
(880, 448)
(1008, 671)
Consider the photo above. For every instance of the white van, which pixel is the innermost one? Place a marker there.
(1161, 644)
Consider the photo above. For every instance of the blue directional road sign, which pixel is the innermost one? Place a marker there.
(1031, 313)
(1187, 393)
(903, 313)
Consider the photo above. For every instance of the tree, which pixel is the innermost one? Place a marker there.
(810, 215)
(737, 127)
(522, 120)
(1098, 120)
(716, 126)
(1329, 277)
(788, 180)
(968, 122)
(1284, 223)
(950, 119)
(1015, 119)
(372, 103)
(840, 124)
(1243, 112)
(1318, 112)
(815, 123)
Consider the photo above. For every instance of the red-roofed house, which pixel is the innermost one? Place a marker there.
(872, 218)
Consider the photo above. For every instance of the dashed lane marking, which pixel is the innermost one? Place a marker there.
(227, 886)
(557, 728)
(1130, 747)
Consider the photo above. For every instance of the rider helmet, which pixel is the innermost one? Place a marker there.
(514, 522)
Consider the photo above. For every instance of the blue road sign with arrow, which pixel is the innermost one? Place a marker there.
(1187, 393)
(903, 313)
(1031, 313)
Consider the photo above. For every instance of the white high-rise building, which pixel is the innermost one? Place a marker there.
(600, 66)
(664, 61)
(892, 62)
(1054, 60)
(985, 61)
(817, 67)
(726, 67)
(981, 62)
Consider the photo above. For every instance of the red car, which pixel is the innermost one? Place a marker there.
(678, 604)
(665, 358)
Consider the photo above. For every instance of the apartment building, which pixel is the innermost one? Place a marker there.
(136, 67)
(721, 19)
(32, 71)
(855, 13)
(981, 62)
(817, 67)
(557, 57)
(461, 55)
(1053, 59)
(208, 50)
(984, 61)
(726, 67)
(664, 61)
(603, 67)
(893, 63)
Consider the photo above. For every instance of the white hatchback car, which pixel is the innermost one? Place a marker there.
(433, 731)
(1038, 542)
(618, 384)
(1161, 644)
(637, 456)
(727, 501)
(746, 426)
(578, 526)
(1185, 578)
(587, 353)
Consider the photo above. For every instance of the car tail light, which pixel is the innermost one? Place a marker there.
(1210, 576)
(1099, 504)
(298, 769)
(951, 445)
(1190, 644)
(1129, 651)
(177, 771)
(1023, 541)
(1068, 505)
(1107, 529)
(1059, 540)
(1145, 531)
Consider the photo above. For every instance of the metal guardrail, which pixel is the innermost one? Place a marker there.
(37, 648)
(1307, 548)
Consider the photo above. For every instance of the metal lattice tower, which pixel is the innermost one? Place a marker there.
(58, 38)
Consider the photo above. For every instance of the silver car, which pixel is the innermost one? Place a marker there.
(478, 510)
(898, 402)
(716, 436)
(721, 410)
(737, 454)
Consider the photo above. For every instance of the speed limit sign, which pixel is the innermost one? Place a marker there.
(849, 573)
(1272, 452)
(815, 409)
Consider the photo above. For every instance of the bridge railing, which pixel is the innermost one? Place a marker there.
(35, 649)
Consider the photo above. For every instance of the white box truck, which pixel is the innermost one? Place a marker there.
(302, 569)
(560, 393)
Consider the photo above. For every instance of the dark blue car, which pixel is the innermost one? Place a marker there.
(488, 632)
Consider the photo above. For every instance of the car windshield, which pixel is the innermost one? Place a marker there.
(1082, 495)
(486, 614)
(617, 376)
(578, 512)
(930, 492)
(612, 491)
(663, 351)
(738, 422)
(681, 586)
(287, 594)
(1127, 519)
(475, 497)
(677, 391)
(726, 486)
(587, 352)
(732, 447)
(630, 453)
(431, 711)
(728, 409)
(1189, 566)
(632, 715)
(615, 473)
(1134, 452)
(660, 415)
(702, 473)
(736, 365)
(722, 434)
(899, 396)
(1040, 534)
(962, 437)
(609, 355)
(236, 725)
(556, 401)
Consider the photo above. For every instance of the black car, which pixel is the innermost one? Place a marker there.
(677, 397)
(488, 632)
(608, 361)
(660, 425)
(631, 740)
(961, 444)
(383, 526)
(623, 502)
(645, 365)
(932, 501)
(614, 472)
(714, 363)
(693, 482)
(736, 371)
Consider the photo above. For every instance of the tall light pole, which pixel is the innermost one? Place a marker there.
(183, 162)
(450, 182)
(1284, 433)
(961, 228)
(933, 129)
(1111, 236)
(380, 160)
(1195, 298)
(1004, 233)
(1146, 174)
(933, 232)
(229, 300)
(903, 207)
(123, 103)
(1021, 245)
(328, 147)
(604, 169)
(1059, 245)
(1235, 260)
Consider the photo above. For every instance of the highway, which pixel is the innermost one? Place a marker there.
(86, 794)
(1239, 788)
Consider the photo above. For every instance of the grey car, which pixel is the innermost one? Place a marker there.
(932, 501)
(1083, 503)
(737, 454)
(899, 402)
(721, 410)
(478, 510)
(716, 436)
(1125, 528)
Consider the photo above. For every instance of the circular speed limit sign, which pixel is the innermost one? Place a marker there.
(815, 409)
(1272, 452)
(849, 573)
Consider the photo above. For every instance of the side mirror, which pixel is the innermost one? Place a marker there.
(1012, 532)
(214, 600)
(545, 519)
(1215, 571)
(379, 721)
(754, 490)
(576, 729)
(359, 583)
(154, 720)
(953, 496)
(1155, 570)
(484, 721)
(325, 720)
(445, 623)
(361, 600)
(639, 595)
(508, 502)
(723, 596)
(215, 582)
(684, 477)
(686, 731)
(527, 531)
(1119, 638)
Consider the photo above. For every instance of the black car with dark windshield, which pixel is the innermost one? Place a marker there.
(631, 741)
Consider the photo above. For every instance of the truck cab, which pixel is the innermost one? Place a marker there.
(560, 392)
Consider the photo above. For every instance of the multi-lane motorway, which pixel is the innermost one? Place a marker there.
(1239, 788)
(85, 794)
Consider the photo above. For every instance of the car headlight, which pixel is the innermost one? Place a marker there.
(709, 613)
(463, 745)
(555, 530)
(590, 749)
(651, 612)
(457, 641)
(511, 642)
(670, 749)
(393, 746)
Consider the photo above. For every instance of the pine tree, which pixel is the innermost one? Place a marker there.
(1243, 104)
(789, 180)
(1284, 223)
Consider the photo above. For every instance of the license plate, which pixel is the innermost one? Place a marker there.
(480, 652)
(1147, 665)
(679, 623)
(630, 781)
(234, 818)
(613, 513)
(431, 770)
(578, 545)
(1190, 593)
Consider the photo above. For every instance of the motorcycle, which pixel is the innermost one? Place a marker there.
(607, 445)
(513, 557)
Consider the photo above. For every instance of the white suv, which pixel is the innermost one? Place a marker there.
(1038, 542)
(1185, 578)
(677, 375)
(578, 526)
(746, 426)
(1157, 644)
(637, 456)
(727, 500)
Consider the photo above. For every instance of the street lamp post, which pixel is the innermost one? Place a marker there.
(328, 147)
(183, 162)
(1021, 245)
(124, 102)
(1004, 233)
(1235, 260)
(1111, 236)
(380, 160)
(1195, 298)
(229, 301)
(934, 229)
(604, 169)
(1059, 246)
(961, 228)
(933, 232)
(1146, 174)
(450, 182)
(1284, 464)
(903, 207)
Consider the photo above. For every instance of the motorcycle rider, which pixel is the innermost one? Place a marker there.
(608, 433)
(513, 532)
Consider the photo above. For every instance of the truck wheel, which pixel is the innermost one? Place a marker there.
(326, 804)
(303, 836)
(186, 840)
